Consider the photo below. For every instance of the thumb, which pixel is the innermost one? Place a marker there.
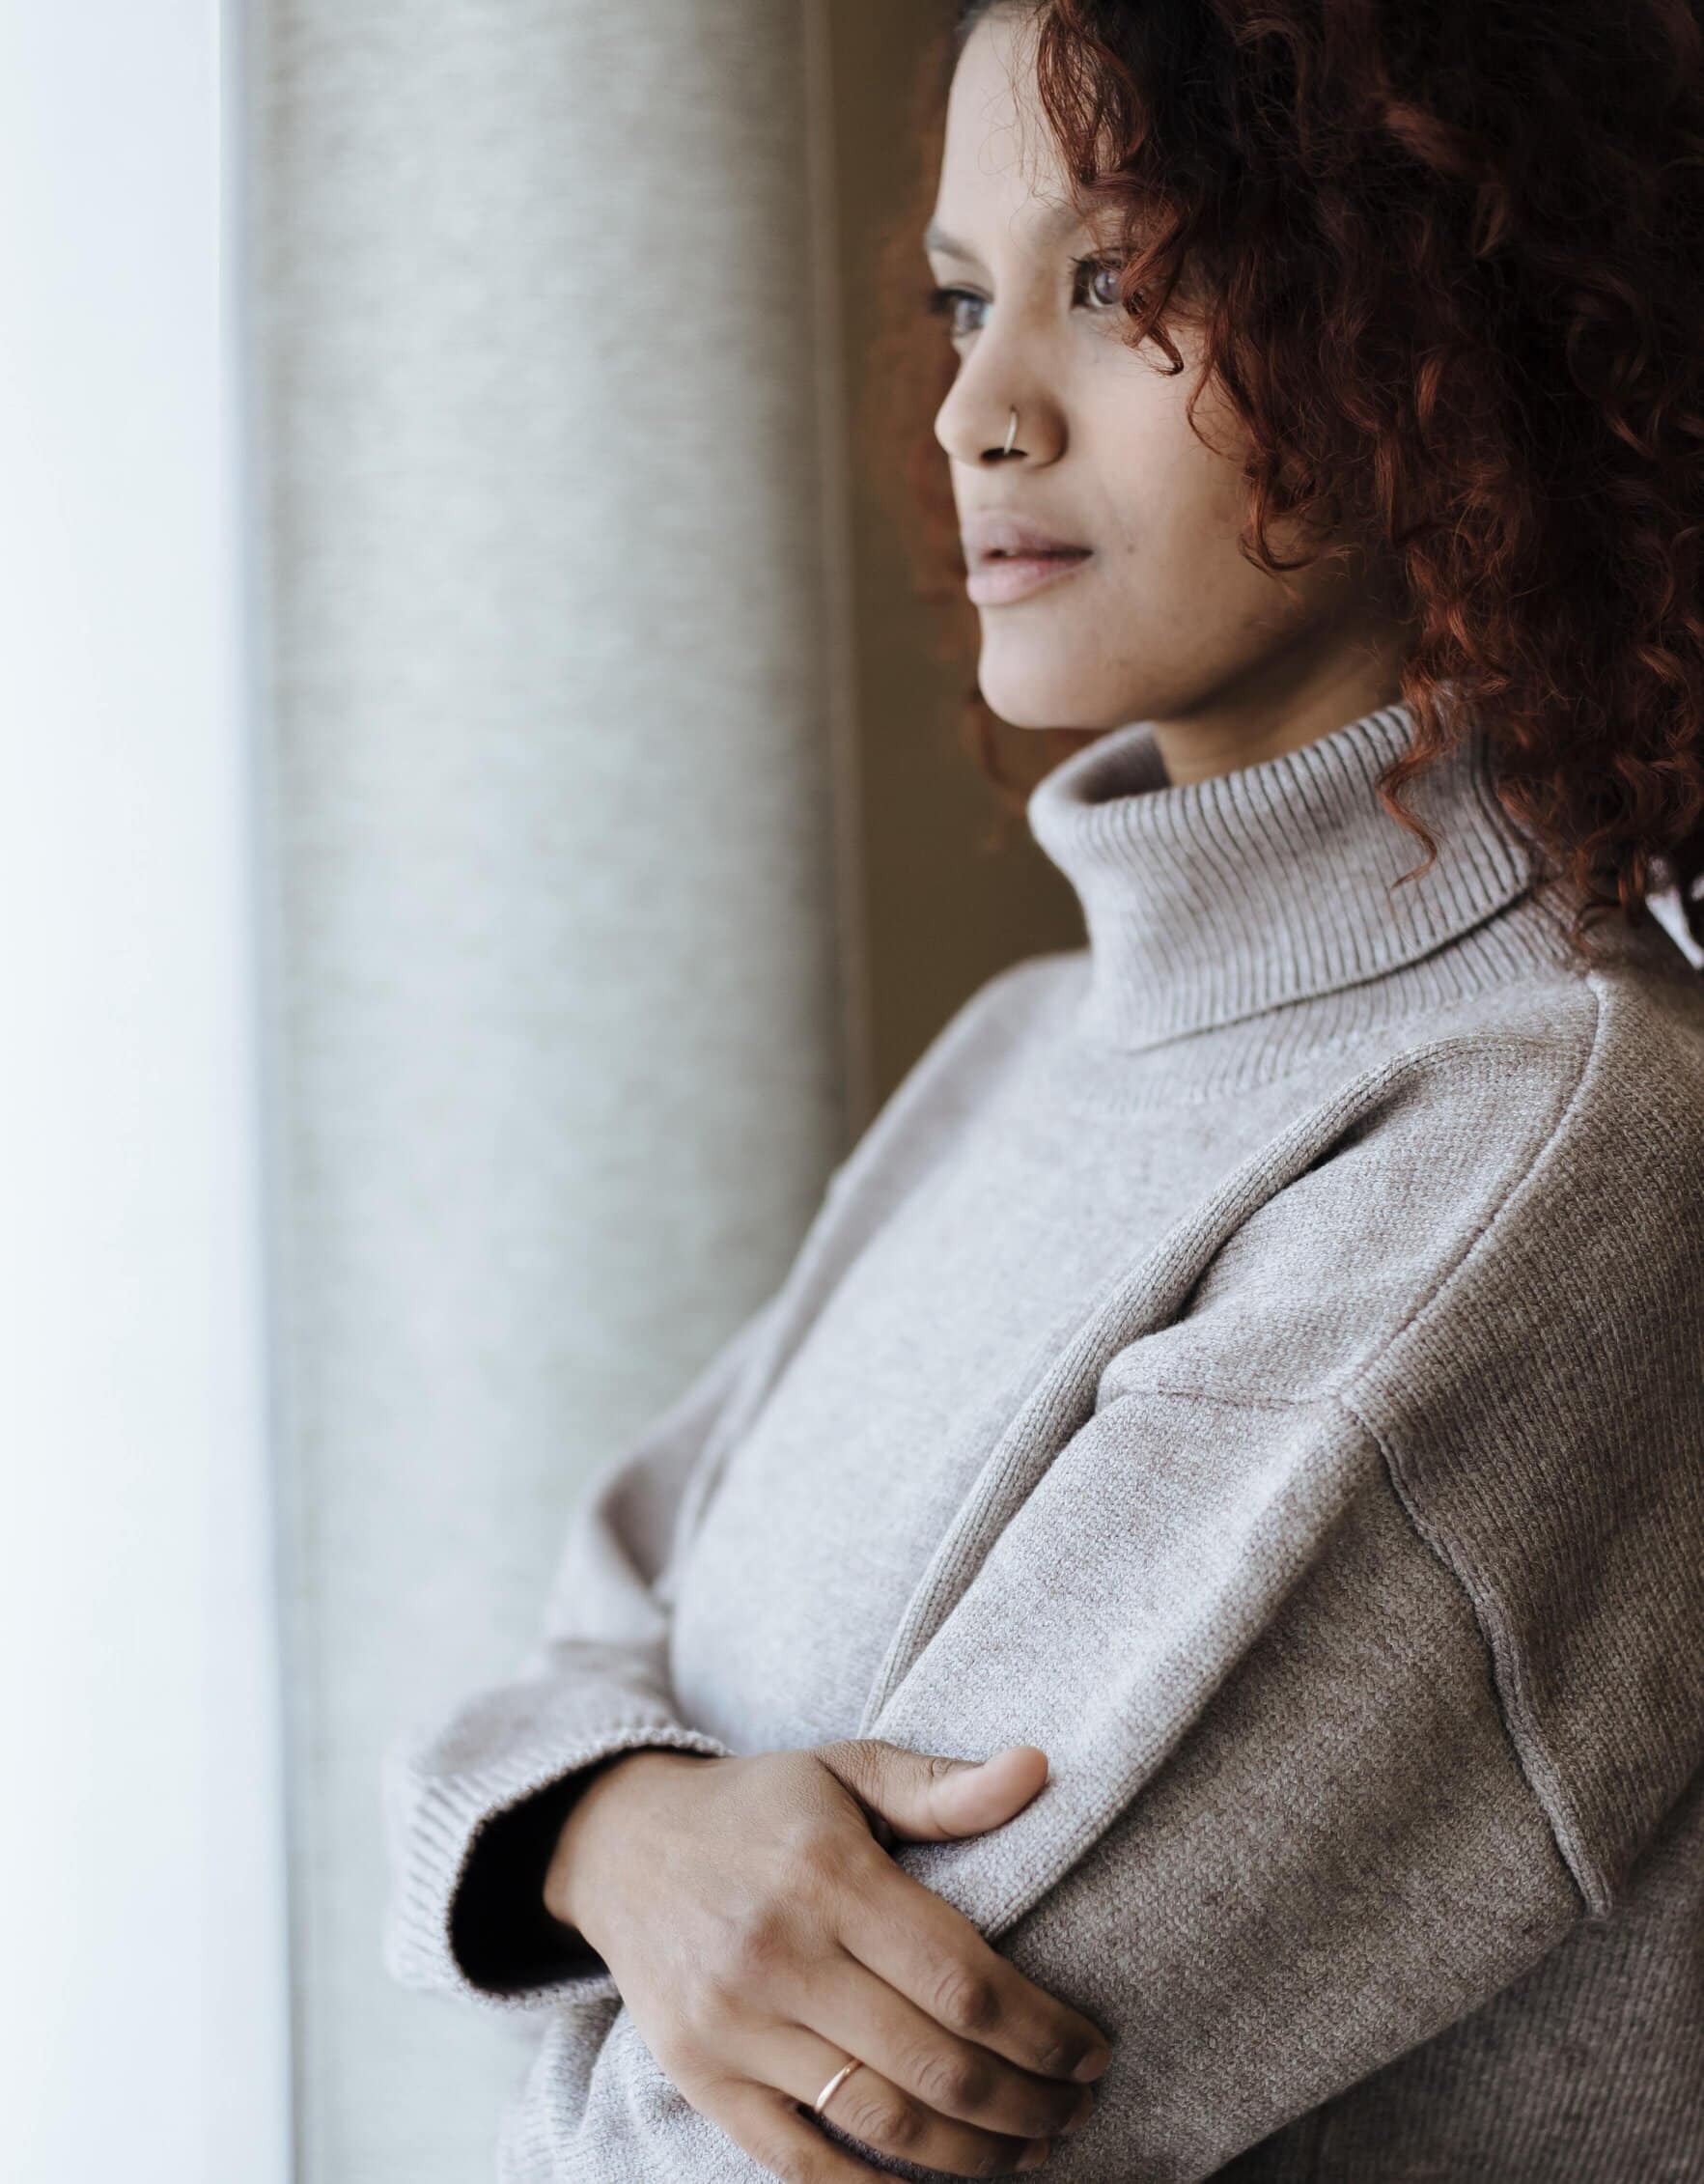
(921, 1797)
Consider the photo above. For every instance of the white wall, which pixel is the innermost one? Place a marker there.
(142, 2018)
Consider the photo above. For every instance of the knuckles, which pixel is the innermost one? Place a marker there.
(1059, 2058)
(880, 2120)
(951, 2083)
(964, 2001)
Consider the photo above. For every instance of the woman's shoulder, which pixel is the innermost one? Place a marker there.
(1553, 1136)
(1549, 1035)
(1530, 1168)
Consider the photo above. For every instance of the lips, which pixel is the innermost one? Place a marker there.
(1012, 556)
(1001, 534)
(1008, 556)
(1002, 583)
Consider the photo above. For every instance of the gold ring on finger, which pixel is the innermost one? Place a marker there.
(834, 2084)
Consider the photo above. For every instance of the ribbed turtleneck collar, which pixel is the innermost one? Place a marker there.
(1209, 901)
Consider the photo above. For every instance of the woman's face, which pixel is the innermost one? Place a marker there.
(1156, 616)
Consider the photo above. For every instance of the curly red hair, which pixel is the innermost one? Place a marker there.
(1449, 260)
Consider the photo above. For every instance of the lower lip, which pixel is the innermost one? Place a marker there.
(997, 583)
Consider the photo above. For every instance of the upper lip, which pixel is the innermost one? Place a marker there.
(996, 532)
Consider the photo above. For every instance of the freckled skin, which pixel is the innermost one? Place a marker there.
(1169, 621)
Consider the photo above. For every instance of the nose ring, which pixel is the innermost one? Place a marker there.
(1011, 434)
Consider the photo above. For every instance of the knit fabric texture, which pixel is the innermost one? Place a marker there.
(1259, 1358)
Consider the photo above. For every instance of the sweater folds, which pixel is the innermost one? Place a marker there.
(1257, 1356)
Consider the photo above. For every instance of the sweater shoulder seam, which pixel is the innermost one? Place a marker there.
(1509, 1682)
(1544, 1782)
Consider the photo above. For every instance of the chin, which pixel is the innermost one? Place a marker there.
(1045, 689)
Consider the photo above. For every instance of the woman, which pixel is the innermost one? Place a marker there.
(1173, 1645)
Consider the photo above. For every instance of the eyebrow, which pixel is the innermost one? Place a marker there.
(936, 239)
(1059, 219)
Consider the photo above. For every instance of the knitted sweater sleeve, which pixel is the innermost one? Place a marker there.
(473, 1801)
(1286, 1835)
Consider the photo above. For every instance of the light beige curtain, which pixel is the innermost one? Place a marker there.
(568, 1016)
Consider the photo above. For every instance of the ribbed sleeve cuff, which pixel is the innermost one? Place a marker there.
(434, 1821)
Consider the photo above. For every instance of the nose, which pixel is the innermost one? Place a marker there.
(975, 423)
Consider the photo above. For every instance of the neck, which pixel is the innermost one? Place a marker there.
(1294, 701)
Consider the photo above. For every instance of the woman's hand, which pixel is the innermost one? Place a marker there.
(761, 1937)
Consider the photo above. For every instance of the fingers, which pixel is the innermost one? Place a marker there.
(967, 1801)
(869, 2107)
(765, 2121)
(925, 1797)
(916, 1943)
(938, 2072)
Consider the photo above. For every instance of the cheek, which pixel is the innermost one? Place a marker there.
(1172, 577)
(1175, 504)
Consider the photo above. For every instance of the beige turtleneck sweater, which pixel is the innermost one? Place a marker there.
(1259, 1358)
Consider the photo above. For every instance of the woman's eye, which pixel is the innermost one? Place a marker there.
(951, 304)
(1098, 279)
(1095, 283)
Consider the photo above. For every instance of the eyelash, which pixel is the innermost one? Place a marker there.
(941, 301)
